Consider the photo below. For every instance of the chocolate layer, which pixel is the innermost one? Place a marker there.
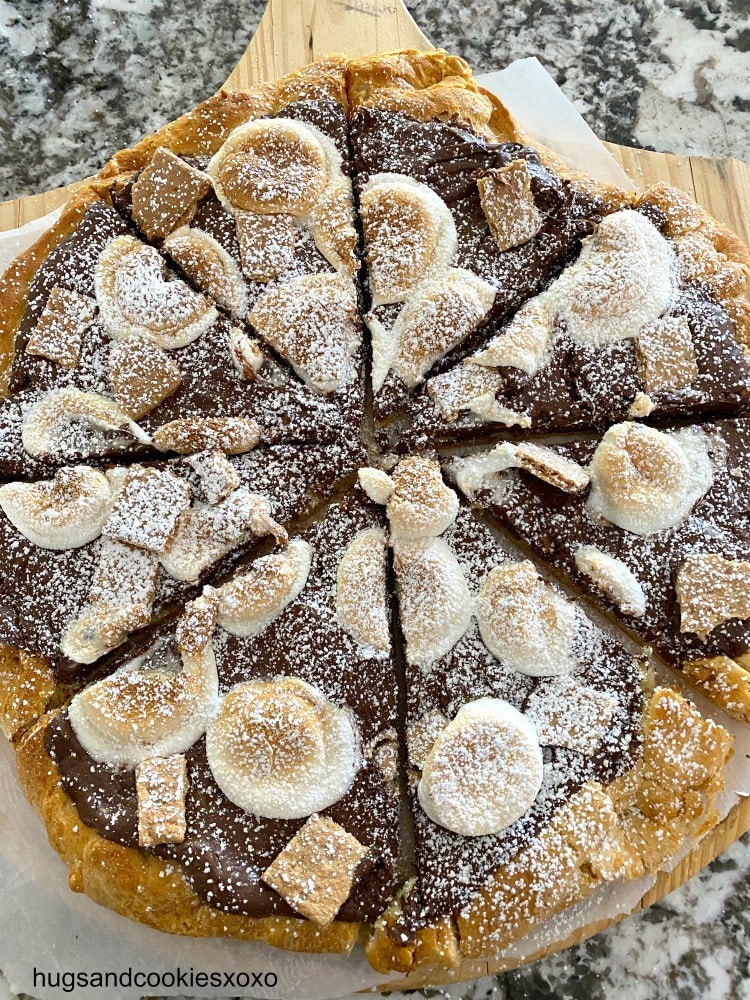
(449, 159)
(553, 524)
(42, 591)
(226, 850)
(451, 867)
(580, 387)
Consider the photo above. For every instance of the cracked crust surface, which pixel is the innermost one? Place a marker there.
(618, 831)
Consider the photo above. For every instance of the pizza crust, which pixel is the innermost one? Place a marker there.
(619, 831)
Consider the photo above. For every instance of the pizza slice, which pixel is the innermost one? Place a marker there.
(509, 295)
(110, 342)
(269, 233)
(95, 554)
(234, 776)
(651, 525)
(542, 760)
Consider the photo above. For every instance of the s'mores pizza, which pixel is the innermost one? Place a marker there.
(284, 656)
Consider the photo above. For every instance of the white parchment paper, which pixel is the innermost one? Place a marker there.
(543, 110)
(44, 926)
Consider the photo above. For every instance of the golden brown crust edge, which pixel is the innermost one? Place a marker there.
(142, 887)
(16, 281)
(436, 85)
(707, 252)
(620, 831)
(204, 128)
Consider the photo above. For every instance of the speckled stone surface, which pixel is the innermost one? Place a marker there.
(81, 79)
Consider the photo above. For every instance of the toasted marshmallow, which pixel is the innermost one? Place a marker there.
(409, 232)
(377, 484)
(137, 299)
(644, 480)
(248, 604)
(271, 166)
(100, 628)
(361, 599)
(438, 316)
(465, 388)
(615, 580)
(525, 623)
(421, 505)
(197, 625)
(524, 342)
(187, 435)
(63, 513)
(246, 354)
(312, 322)
(206, 532)
(332, 221)
(156, 705)
(435, 605)
(71, 422)
(484, 471)
(280, 749)
(205, 261)
(624, 278)
(484, 769)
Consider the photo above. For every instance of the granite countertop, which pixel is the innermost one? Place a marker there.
(83, 78)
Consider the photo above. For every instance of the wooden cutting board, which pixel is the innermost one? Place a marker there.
(293, 33)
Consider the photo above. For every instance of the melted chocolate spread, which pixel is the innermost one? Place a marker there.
(226, 850)
(581, 388)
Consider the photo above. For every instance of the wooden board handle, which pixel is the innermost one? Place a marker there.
(291, 34)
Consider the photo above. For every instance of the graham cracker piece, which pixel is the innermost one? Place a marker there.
(566, 713)
(218, 476)
(161, 784)
(124, 576)
(64, 320)
(712, 590)
(196, 627)
(724, 680)
(546, 464)
(317, 869)
(167, 193)
(461, 388)
(148, 509)
(666, 357)
(266, 244)
(508, 204)
(142, 375)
